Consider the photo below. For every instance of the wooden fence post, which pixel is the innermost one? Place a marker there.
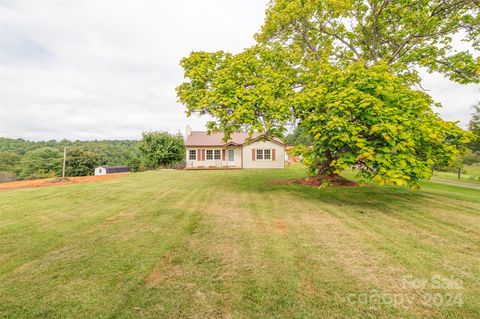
(64, 159)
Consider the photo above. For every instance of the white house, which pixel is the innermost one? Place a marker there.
(104, 170)
(205, 150)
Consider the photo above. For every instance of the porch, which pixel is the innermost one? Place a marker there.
(199, 168)
(213, 158)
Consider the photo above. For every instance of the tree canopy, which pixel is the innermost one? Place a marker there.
(369, 119)
(42, 162)
(80, 162)
(251, 90)
(9, 162)
(161, 148)
(474, 127)
(107, 152)
(403, 34)
(346, 72)
(299, 136)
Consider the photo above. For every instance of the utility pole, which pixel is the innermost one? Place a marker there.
(64, 159)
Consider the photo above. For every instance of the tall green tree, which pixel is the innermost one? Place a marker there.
(474, 127)
(161, 148)
(42, 162)
(80, 162)
(345, 71)
(298, 137)
(9, 162)
(369, 119)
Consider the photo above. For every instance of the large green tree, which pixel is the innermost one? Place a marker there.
(42, 162)
(345, 72)
(161, 148)
(369, 119)
(299, 136)
(474, 127)
(80, 162)
(9, 162)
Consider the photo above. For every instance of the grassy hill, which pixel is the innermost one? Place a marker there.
(228, 244)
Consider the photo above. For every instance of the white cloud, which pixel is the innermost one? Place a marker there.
(456, 99)
(108, 69)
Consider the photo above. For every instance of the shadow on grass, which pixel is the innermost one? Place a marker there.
(381, 198)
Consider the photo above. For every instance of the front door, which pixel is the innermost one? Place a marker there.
(231, 157)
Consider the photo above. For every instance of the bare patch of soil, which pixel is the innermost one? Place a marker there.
(280, 226)
(60, 180)
(276, 226)
(163, 271)
(56, 181)
(333, 180)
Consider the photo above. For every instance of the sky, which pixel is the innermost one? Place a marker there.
(108, 69)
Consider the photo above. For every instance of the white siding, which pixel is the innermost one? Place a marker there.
(100, 171)
(279, 161)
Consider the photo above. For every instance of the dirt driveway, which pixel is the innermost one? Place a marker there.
(52, 182)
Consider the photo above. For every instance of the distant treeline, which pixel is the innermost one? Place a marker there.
(20, 159)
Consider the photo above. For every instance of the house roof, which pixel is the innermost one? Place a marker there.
(201, 138)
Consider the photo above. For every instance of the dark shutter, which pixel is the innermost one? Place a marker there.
(273, 154)
(223, 154)
(199, 154)
(253, 154)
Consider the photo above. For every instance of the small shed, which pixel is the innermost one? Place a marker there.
(104, 170)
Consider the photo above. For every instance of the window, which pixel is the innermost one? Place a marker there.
(266, 154)
(217, 154)
(192, 155)
(209, 154)
(259, 154)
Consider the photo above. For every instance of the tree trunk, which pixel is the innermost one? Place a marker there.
(326, 174)
(325, 171)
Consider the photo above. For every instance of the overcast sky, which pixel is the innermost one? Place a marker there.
(108, 69)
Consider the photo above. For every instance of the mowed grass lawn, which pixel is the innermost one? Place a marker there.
(227, 244)
(469, 173)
